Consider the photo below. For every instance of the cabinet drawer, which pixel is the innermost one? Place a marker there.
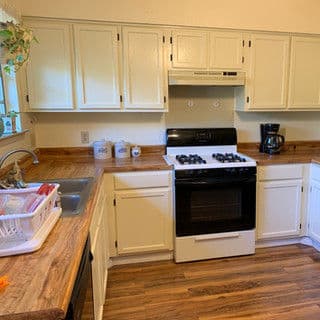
(145, 179)
(279, 172)
(315, 172)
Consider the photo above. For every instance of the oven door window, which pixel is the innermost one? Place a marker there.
(210, 208)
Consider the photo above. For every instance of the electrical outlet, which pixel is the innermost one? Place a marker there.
(84, 136)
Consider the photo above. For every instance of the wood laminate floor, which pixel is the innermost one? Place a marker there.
(275, 283)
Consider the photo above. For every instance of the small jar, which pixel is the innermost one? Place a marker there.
(136, 151)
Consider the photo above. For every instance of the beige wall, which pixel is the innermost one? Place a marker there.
(22, 141)
(200, 107)
(63, 129)
(277, 15)
(293, 125)
(54, 129)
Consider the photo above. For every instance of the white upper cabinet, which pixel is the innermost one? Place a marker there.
(304, 87)
(145, 76)
(225, 50)
(50, 69)
(190, 49)
(97, 66)
(196, 49)
(267, 77)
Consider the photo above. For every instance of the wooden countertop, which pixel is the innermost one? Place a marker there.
(41, 283)
(293, 152)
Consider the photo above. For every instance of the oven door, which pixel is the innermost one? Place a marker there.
(215, 204)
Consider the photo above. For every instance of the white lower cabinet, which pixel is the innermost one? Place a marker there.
(314, 203)
(142, 212)
(143, 220)
(279, 208)
(99, 250)
(279, 201)
(314, 210)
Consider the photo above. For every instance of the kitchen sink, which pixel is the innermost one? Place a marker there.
(74, 194)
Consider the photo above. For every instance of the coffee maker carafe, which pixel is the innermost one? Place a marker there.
(271, 141)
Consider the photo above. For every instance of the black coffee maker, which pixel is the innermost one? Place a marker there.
(271, 141)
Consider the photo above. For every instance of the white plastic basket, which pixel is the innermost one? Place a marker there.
(15, 228)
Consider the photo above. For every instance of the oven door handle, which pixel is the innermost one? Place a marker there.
(223, 235)
(213, 181)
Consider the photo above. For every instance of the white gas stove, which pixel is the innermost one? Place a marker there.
(215, 194)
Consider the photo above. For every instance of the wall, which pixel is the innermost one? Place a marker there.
(283, 15)
(63, 129)
(22, 141)
(293, 125)
(212, 107)
(200, 107)
(274, 15)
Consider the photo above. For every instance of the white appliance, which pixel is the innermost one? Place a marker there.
(215, 190)
(206, 78)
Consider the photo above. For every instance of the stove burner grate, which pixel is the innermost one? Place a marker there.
(228, 157)
(190, 159)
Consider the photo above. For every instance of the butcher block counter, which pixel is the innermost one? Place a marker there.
(41, 283)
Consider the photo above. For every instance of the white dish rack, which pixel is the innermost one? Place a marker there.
(26, 232)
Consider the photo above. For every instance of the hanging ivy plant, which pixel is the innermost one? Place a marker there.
(15, 41)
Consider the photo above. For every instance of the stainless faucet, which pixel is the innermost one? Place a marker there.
(14, 177)
(9, 153)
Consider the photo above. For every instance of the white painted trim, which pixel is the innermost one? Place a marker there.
(277, 242)
(285, 242)
(163, 256)
(159, 256)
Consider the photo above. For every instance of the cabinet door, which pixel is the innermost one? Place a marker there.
(304, 86)
(99, 249)
(268, 72)
(97, 67)
(314, 210)
(145, 80)
(226, 50)
(279, 208)
(98, 274)
(190, 49)
(144, 220)
(50, 69)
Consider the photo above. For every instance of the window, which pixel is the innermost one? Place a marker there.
(8, 86)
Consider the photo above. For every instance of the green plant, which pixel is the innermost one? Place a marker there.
(15, 39)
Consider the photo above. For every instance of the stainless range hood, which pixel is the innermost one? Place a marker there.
(206, 78)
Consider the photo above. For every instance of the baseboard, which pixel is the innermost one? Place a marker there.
(146, 257)
(162, 256)
(277, 242)
(311, 242)
(285, 242)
